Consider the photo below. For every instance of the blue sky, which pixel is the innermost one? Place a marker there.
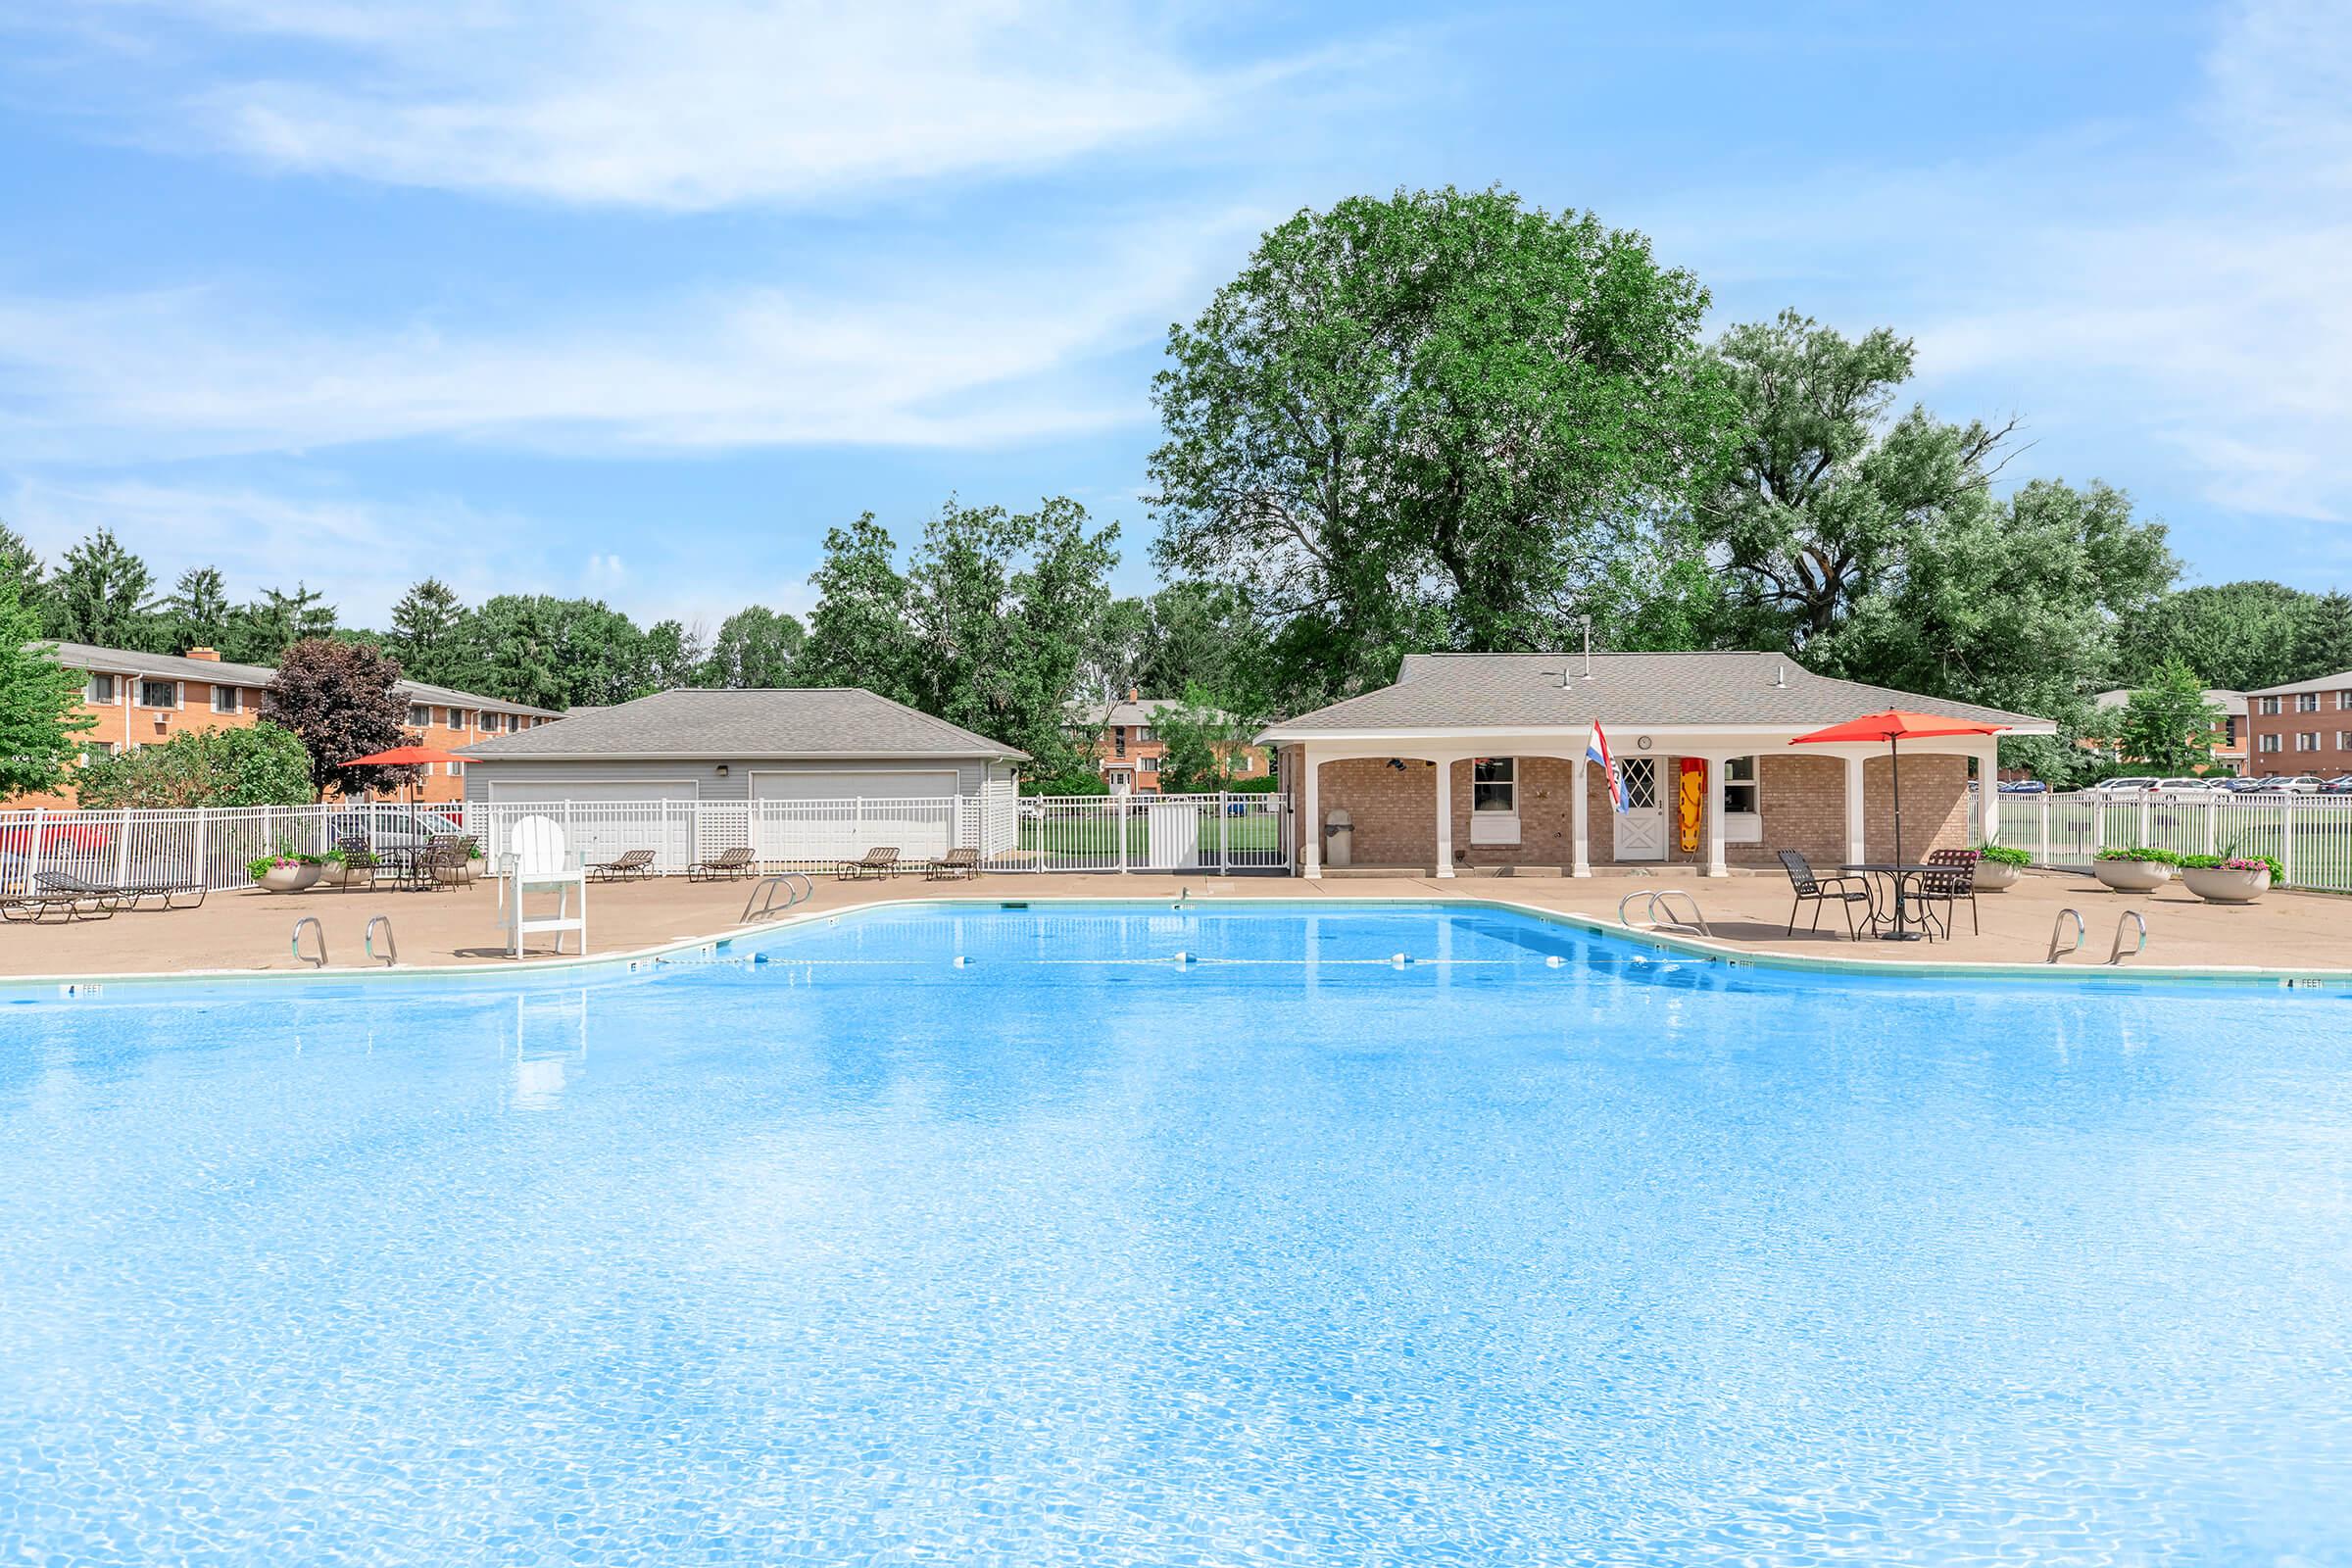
(636, 300)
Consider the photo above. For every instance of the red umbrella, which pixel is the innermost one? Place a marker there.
(1890, 726)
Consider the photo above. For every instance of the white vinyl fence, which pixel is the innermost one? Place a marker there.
(2309, 835)
(1047, 833)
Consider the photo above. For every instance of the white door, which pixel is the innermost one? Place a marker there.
(603, 819)
(1642, 825)
(840, 814)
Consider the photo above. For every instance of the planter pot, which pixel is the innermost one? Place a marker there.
(2216, 885)
(335, 874)
(1997, 876)
(476, 868)
(289, 878)
(2132, 876)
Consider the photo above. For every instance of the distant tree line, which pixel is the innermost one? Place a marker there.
(1435, 420)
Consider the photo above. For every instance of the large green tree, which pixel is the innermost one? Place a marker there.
(1002, 607)
(431, 635)
(2237, 635)
(674, 655)
(2013, 604)
(21, 569)
(2168, 724)
(859, 633)
(559, 652)
(100, 595)
(262, 629)
(196, 612)
(1436, 420)
(40, 702)
(1827, 498)
(754, 649)
(1205, 636)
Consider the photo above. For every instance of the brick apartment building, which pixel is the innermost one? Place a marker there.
(1477, 762)
(140, 700)
(2302, 727)
(1123, 739)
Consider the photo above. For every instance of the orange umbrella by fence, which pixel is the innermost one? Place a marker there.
(1891, 726)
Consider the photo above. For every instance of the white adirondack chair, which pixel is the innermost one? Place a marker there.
(536, 861)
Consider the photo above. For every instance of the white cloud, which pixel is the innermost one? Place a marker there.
(708, 104)
(979, 358)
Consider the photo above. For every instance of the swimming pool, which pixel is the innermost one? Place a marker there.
(1537, 1248)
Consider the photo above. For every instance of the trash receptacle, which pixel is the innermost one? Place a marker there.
(1339, 839)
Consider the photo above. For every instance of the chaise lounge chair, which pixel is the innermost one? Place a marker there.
(955, 866)
(725, 867)
(877, 864)
(32, 909)
(120, 895)
(625, 867)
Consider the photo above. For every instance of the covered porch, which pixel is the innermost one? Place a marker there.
(1712, 801)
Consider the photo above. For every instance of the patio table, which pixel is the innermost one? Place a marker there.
(1898, 879)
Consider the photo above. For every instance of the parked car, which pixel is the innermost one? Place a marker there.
(2340, 785)
(2024, 786)
(2123, 786)
(2189, 786)
(2301, 784)
(2248, 785)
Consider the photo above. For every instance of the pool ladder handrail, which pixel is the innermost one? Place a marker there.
(2116, 954)
(763, 894)
(1697, 925)
(310, 921)
(391, 954)
(2058, 925)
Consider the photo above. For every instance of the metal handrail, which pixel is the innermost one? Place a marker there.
(1698, 922)
(1637, 893)
(763, 894)
(2117, 954)
(2058, 925)
(391, 954)
(310, 921)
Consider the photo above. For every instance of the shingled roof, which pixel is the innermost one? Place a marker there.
(806, 722)
(1547, 691)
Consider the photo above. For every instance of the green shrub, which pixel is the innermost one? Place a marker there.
(2141, 853)
(2004, 855)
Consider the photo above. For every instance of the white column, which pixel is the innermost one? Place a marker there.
(1583, 865)
(1857, 834)
(1716, 865)
(1445, 765)
(1989, 794)
(1310, 827)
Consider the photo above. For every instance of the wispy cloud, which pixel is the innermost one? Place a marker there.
(980, 358)
(705, 105)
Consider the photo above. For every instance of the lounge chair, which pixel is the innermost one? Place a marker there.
(31, 908)
(725, 867)
(108, 895)
(625, 867)
(876, 864)
(956, 864)
(1954, 879)
(1844, 891)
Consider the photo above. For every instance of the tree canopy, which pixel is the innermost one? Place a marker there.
(256, 764)
(40, 702)
(2168, 724)
(1436, 420)
(337, 699)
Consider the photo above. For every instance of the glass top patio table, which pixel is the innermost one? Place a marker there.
(1898, 874)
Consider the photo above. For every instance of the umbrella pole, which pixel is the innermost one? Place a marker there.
(1895, 773)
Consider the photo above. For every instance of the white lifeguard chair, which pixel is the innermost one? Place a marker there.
(536, 861)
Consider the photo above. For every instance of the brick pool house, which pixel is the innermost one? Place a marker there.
(1475, 764)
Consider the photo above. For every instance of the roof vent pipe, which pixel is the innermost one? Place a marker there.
(1780, 673)
(1585, 621)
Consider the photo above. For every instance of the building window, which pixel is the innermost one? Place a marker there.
(1150, 764)
(2229, 730)
(419, 715)
(102, 688)
(2266, 704)
(228, 699)
(2306, 740)
(2267, 743)
(158, 694)
(1494, 784)
(1143, 734)
(459, 718)
(94, 750)
(2343, 740)
(1118, 740)
(2307, 702)
(1739, 787)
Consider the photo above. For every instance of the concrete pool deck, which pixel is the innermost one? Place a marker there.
(249, 931)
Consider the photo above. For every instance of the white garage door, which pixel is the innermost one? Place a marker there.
(832, 815)
(605, 818)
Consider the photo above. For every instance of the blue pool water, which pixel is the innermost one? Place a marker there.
(1075, 1254)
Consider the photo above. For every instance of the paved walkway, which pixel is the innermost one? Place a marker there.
(249, 930)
